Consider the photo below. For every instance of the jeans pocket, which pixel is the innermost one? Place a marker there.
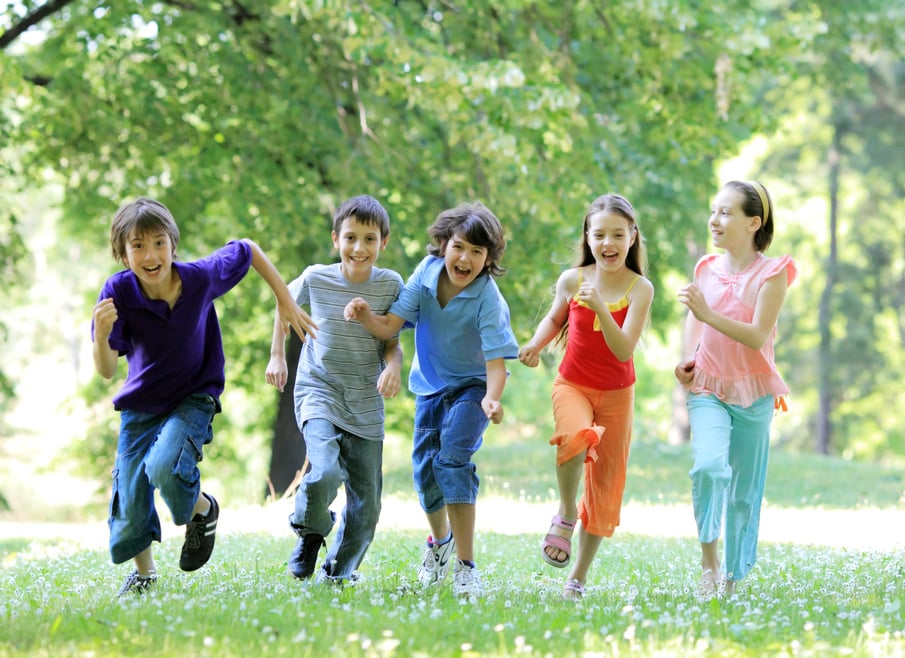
(186, 468)
(113, 509)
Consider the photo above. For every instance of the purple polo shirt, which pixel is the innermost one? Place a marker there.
(173, 353)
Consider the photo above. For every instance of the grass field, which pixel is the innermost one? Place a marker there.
(837, 589)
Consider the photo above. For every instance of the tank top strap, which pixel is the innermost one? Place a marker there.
(580, 275)
(631, 285)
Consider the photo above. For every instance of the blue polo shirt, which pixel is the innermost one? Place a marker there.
(173, 353)
(454, 343)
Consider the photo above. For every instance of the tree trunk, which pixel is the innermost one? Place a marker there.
(824, 317)
(288, 447)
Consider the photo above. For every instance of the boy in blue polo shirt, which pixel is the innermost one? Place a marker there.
(462, 337)
(159, 314)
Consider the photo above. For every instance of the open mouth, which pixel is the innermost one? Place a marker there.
(462, 271)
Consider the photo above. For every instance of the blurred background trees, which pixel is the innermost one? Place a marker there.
(257, 118)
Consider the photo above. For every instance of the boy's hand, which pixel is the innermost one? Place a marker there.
(389, 382)
(685, 372)
(105, 315)
(529, 355)
(292, 315)
(277, 374)
(356, 309)
(493, 409)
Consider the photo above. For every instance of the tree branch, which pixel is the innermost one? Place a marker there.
(30, 21)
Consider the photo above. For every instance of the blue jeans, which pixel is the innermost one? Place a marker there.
(338, 457)
(449, 429)
(156, 451)
(731, 445)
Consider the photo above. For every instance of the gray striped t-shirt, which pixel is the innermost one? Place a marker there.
(337, 372)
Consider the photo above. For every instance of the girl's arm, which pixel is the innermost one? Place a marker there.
(769, 302)
(684, 371)
(496, 381)
(105, 358)
(623, 340)
(289, 312)
(552, 323)
(390, 379)
(384, 327)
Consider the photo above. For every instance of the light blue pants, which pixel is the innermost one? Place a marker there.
(339, 458)
(731, 445)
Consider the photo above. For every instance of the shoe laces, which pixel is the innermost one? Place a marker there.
(311, 545)
(135, 582)
(194, 532)
(467, 575)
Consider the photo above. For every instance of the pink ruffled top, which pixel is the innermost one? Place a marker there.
(733, 372)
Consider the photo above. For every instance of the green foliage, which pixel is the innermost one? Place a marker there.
(256, 119)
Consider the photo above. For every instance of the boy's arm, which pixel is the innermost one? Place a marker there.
(105, 358)
(390, 380)
(277, 374)
(496, 381)
(289, 312)
(384, 327)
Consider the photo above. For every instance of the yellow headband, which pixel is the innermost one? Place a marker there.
(762, 193)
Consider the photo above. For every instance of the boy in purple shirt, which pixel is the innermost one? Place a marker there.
(159, 314)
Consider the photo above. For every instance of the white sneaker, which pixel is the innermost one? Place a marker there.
(435, 562)
(467, 581)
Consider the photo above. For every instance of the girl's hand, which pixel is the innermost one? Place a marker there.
(356, 309)
(493, 409)
(685, 372)
(529, 355)
(590, 297)
(105, 315)
(693, 298)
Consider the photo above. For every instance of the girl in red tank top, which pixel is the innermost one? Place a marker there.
(601, 305)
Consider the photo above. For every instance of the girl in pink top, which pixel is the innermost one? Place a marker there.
(600, 308)
(733, 386)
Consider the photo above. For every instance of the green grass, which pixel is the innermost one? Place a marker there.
(58, 599)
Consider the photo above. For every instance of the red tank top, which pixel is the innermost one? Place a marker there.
(588, 360)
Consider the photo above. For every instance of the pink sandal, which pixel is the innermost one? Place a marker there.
(564, 544)
(573, 591)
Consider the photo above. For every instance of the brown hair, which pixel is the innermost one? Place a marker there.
(755, 205)
(477, 225)
(366, 210)
(141, 217)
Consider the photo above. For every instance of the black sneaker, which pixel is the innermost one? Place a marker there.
(200, 533)
(304, 555)
(137, 584)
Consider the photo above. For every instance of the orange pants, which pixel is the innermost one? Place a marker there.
(599, 425)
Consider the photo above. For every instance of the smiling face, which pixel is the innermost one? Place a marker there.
(609, 237)
(150, 257)
(359, 244)
(730, 227)
(464, 261)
